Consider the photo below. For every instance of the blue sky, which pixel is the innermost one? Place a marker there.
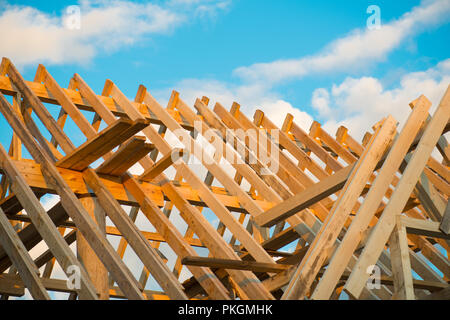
(314, 59)
(199, 47)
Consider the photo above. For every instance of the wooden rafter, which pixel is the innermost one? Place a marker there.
(308, 223)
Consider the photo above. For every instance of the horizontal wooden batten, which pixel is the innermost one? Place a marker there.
(304, 199)
(423, 227)
(44, 95)
(33, 176)
(234, 264)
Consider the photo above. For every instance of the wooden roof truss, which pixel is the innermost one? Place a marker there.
(346, 210)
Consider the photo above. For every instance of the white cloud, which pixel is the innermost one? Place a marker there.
(358, 103)
(30, 36)
(204, 7)
(277, 110)
(250, 97)
(321, 101)
(362, 47)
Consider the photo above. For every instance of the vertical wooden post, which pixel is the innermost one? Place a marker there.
(401, 265)
(94, 267)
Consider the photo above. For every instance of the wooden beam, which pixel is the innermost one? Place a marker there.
(423, 227)
(211, 165)
(99, 103)
(302, 208)
(429, 197)
(323, 242)
(314, 146)
(247, 281)
(34, 178)
(439, 183)
(29, 235)
(385, 225)
(173, 237)
(59, 285)
(105, 141)
(10, 204)
(275, 190)
(286, 142)
(372, 201)
(43, 114)
(113, 231)
(94, 266)
(284, 168)
(160, 166)
(305, 198)
(262, 180)
(42, 75)
(335, 147)
(124, 158)
(251, 288)
(216, 206)
(21, 258)
(434, 255)
(25, 113)
(62, 118)
(443, 294)
(47, 255)
(134, 237)
(9, 285)
(44, 223)
(442, 144)
(73, 207)
(234, 264)
(226, 151)
(80, 99)
(401, 265)
(421, 267)
(445, 223)
(310, 219)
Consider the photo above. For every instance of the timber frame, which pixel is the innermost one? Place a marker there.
(336, 218)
